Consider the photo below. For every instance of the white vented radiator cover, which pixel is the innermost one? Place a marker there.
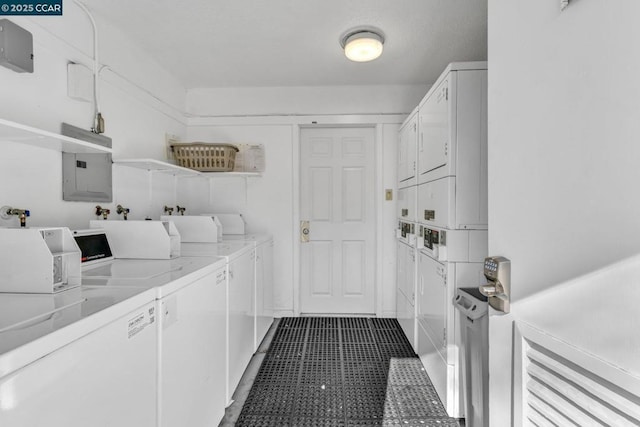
(565, 386)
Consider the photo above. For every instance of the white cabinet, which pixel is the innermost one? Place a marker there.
(240, 316)
(432, 300)
(407, 145)
(406, 289)
(264, 290)
(439, 330)
(192, 356)
(453, 126)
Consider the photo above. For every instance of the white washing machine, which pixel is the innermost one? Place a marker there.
(240, 258)
(263, 289)
(82, 357)
(190, 295)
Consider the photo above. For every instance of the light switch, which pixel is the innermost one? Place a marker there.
(388, 194)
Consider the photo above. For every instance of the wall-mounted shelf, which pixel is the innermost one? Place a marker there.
(231, 174)
(156, 166)
(23, 134)
(164, 167)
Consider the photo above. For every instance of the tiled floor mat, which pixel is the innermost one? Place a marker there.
(330, 371)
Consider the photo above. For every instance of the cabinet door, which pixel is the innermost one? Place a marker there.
(406, 204)
(436, 203)
(240, 317)
(407, 146)
(402, 156)
(401, 266)
(433, 304)
(405, 316)
(410, 283)
(192, 353)
(435, 128)
(406, 271)
(264, 290)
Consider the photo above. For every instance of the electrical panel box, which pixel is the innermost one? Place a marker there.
(16, 47)
(86, 177)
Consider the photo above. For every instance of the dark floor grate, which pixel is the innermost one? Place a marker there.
(324, 335)
(357, 336)
(354, 323)
(343, 372)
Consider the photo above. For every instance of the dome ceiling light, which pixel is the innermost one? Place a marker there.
(362, 44)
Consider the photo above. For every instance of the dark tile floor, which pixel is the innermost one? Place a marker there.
(328, 371)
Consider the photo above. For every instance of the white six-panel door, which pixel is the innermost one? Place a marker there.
(337, 269)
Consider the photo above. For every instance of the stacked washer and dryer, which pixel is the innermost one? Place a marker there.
(442, 205)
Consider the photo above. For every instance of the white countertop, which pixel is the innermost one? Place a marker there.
(228, 249)
(253, 237)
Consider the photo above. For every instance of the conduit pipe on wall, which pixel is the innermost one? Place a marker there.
(98, 121)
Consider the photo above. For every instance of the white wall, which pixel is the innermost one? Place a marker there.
(319, 100)
(139, 100)
(564, 103)
(266, 202)
(269, 203)
(273, 116)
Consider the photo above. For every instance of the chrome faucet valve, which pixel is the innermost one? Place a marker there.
(101, 211)
(121, 210)
(7, 212)
(181, 209)
(168, 210)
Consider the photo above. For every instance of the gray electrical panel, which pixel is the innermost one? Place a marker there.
(86, 177)
(16, 47)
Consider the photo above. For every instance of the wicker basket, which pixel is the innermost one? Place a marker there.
(205, 157)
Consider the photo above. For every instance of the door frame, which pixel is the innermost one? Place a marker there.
(378, 201)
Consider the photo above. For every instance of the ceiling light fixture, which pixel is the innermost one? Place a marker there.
(362, 44)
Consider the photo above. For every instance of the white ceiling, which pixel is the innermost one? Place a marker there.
(236, 43)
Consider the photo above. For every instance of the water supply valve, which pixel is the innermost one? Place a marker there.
(181, 209)
(103, 212)
(168, 210)
(121, 210)
(7, 212)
